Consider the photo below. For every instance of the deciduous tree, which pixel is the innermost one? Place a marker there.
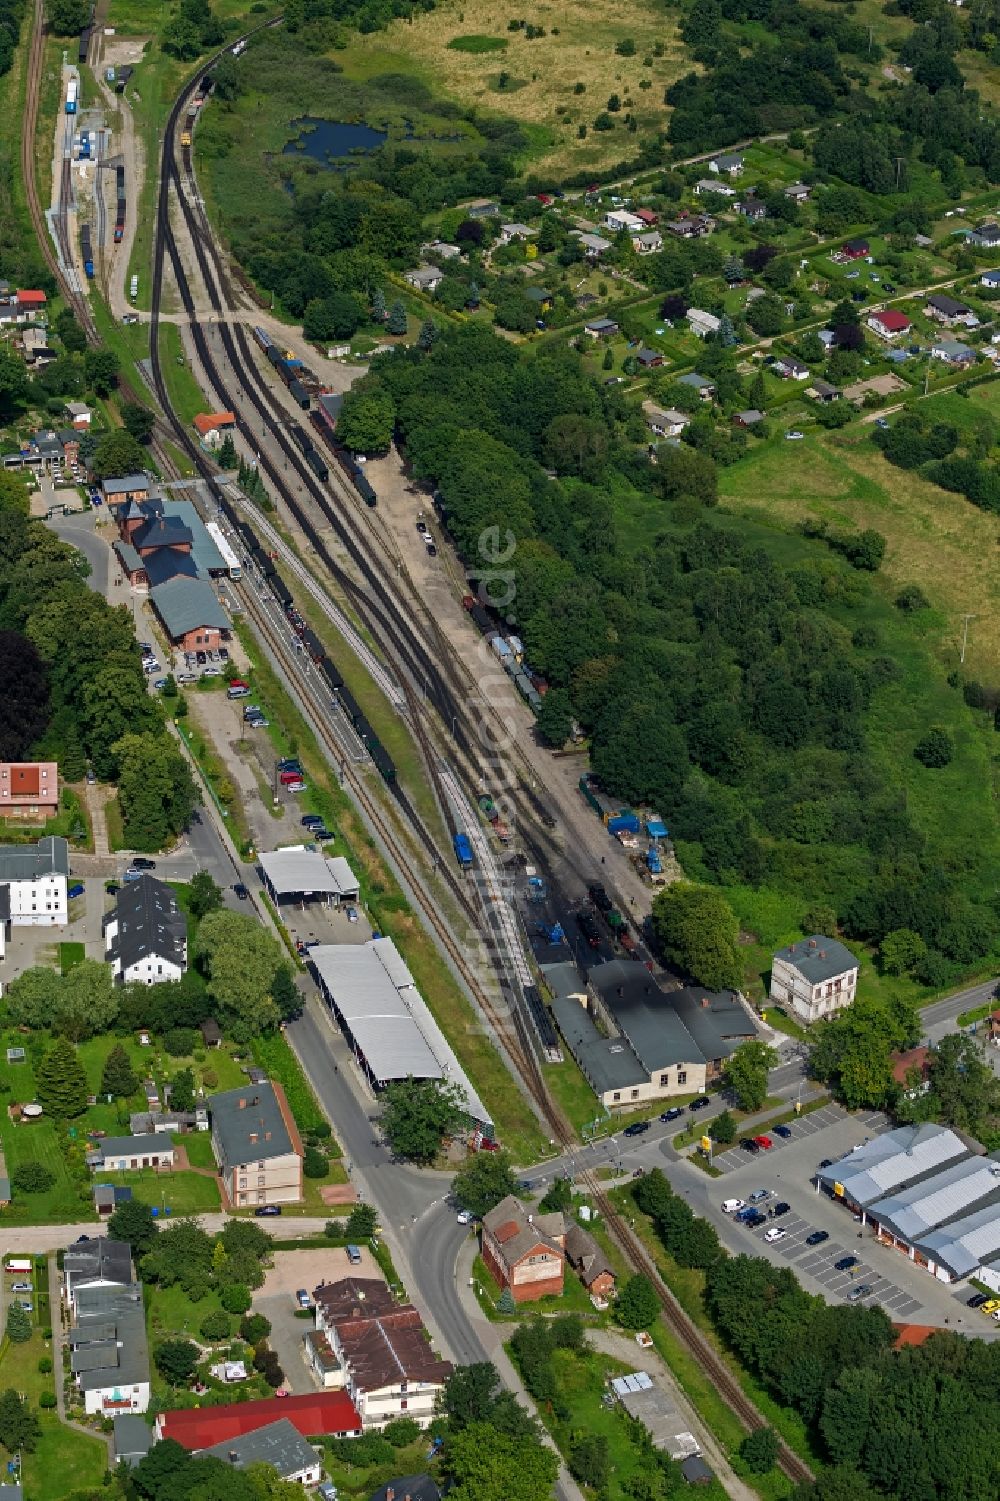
(418, 1115)
(746, 1073)
(699, 931)
(486, 1178)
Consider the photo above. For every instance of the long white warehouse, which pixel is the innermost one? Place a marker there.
(386, 1020)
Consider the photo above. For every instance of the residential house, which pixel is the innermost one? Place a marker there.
(815, 978)
(278, 1444)
(594, 246)
(649, 359)
(729, 164)
(618, 219)
(29, 790)
(589, 1262)
(211, 1032)
(714, 185)
(442, 250)
(212, 427)
(33, 885)
(990, 279)
(406, 1488)
(145, 933)
(691, 226)
(665, 422)
(524, 1252)
(601, 328)
(950, 312)
(199, 1428)
(119, 488)
(953, 353)
(821, 390)
(321, 1359)
(484, 209)
(35, 344)
(540, 296)
(424, 278)
(257, 1145)
(647, 216)
(888, 324)
(985, 236)
(749, 418)
(702, 323)
(80, 415)
(99, 1262)
(390, 1370)
(798, 192)
(853, 250)
(118, 1154)
(911, 1071)
(108, 1196)
(789, 368)
(752, 209)
(31, 303)
(700, 383)
(510, 232)
(827, 338)
(133, 1440)
(109, 1353)
(649, 243)
(190, 613)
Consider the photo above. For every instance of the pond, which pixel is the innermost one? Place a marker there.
(328, 141)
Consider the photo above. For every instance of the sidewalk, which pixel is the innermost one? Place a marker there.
(492, 1336)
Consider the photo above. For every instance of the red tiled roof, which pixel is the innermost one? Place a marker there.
(897, 322)
(206, 422)
(318, 1412)
(903, 1062)
(24, 297)
(913, 1334)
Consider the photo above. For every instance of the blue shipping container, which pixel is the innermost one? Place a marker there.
(624, 823)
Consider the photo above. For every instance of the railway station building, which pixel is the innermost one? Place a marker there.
(386, 1020)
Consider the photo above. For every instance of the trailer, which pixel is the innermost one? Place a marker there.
(86, 250)
(463, 850)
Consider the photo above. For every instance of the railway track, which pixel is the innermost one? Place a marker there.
(380, 610)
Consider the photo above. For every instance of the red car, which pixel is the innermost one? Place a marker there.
(763, 1142)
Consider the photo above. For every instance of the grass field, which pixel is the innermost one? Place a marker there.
(447, 47)
(70, 955)
(63, 1460)
(186, 396)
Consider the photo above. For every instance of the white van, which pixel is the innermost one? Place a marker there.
(730, 1206)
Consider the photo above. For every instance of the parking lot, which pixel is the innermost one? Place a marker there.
(787, 1173)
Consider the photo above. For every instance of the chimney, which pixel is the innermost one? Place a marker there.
(253, 1137)
(234, 1456)
(243, 1103)
(812, 943)
(822, 953)
(621, 990)
(267, 1136)
(390, 1494)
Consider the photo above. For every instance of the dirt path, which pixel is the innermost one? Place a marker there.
(97, 798)
(624, 1348)
(127, 145)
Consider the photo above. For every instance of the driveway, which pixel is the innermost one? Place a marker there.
(285, 1339)
(308, 1268)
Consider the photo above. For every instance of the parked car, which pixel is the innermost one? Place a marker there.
(882, 423)
(732, 1206)
(201, 658)
(976, 1301)
(817, 1237)
(700, 1102)
(159, 683)
(759, 1195)
(241, 891)
(764, 1142)
(991, 1305)
(793, 436)
(265, 1211)
(846, 1262)
(352, 914)
(303, 1299)
(91, 777)
(637, 1128)
(353, 1255)
(780, 1208)
(783, 1131)
(311, 820)
(187, 677)
(422, 528)
(77, 889)
(464, 1217)
(774, 1234)
(141, 862)
(212, 672)
(861, 1291)
(673, 1114)
(28, 1287)
(827, 1162)
(752, 1221)
(749, 1145)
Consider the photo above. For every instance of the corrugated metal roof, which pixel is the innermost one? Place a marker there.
(965, 1244)
(377, 998)
(954, 1191)
(297, 869)
(887, 1162)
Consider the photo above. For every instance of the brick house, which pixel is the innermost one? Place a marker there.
(524, 1252)
(589, 1262)
(29, 790)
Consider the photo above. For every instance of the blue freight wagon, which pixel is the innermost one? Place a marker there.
(624, 823)
(463, 850)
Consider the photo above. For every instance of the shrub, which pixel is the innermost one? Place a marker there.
(215, 1325)
(18, 1324)
(401, 1431)
(314, 1164)
(31, 1177)
(254, 1327)
(45, 1365)
(180, 1042)
(236, 1298)
(911, 599)
(936, 749)
(759, 1451)
(47, 1400)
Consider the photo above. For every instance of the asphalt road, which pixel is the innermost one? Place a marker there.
(79, 532)
(940, 1017)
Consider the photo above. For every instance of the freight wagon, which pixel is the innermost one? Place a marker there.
(72, 95)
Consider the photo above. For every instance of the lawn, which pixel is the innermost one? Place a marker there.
(198, 1146)
(357, 1482)
(186, 396)
(453, 47)
(178, 1192)
(63, 1460)
(70, 955)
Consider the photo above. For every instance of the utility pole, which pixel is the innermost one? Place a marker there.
(965, 636)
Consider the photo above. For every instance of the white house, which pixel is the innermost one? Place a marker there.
(792, 369)
(730, 163)
(648, 243)
(664, 422)
(619, 218)
(424, 278)
(990, 279)
(145, 934)
(33, 885)
(119, 1153)
(702, 323)
(511, 232)
(816, 977)
(714, 185)
(109, 1352)
(594, 245)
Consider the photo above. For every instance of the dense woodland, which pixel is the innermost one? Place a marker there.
(719, 684)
